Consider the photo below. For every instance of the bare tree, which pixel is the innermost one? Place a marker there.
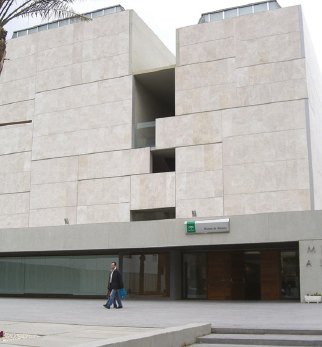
(11, 9)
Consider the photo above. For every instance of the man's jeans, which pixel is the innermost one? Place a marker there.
(115, 294)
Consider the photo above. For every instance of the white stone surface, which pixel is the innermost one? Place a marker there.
(17, 90)
(268, 23)
(84, 118)
(188, 130)
(54, 170)
(103, 213)
(209, 207)
(19, 68)
(83, 142)
(264, 118)
(17, 112)
(196, 185)
(266, 177)
(18, 162)
(153, 191)
(115, 163)
(207, 51)
(267, 202)
(14, 221)
(17, 182)
(104, 191)
(49, 195)
(12, 204)
(52, 216)
(15, 138)
(269, 49)
(265, 147)
(199, 158)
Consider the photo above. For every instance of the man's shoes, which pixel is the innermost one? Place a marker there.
(119, 307)
(106, 306)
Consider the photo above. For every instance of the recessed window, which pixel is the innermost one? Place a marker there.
(53, 25)
(273, 5)
(32, 30)
(153, 214)
(163, 161)
(42, 27)
(98, 14)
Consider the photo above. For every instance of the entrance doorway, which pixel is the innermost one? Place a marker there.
(252, 275)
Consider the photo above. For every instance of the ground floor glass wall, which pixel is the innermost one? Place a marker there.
(147, 275)
(241, 275)
(61, 275)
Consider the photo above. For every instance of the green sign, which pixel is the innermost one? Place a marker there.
(191, 227)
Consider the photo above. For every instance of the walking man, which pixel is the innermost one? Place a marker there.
(115, 283)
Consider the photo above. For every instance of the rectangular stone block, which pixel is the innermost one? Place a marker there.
(107, 25)
(106, 46)
(21, 47)
(59, 77)
(17, 182)
(17, 112)
(54, 170)
(105, 68)
(18, 90)
(267, 202)
(83, 142)
(52, 217)
(206, 32)
(199, 158)
(272, 92)
(188, 130)
(55, 57)
(283, 175)
(84, 118)
(19, 68)
(58, 37)
(104, 191)
(103, 213)
(15, 139)
(271, 73)
(207, 98)
(264, 118)
(12, 163)
(207, 51)
(50, 195)
(269, 49)
(153, 191)
(206, 74)
(13, 204)
(210, 207)
(84, 95)
(14, 221)
(115, 163)
(199, 185)
(268, 23)
(266, 147)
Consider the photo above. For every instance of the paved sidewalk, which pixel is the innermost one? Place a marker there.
(85, 322)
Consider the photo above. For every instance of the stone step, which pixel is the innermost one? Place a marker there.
(265, 331)
(261, 339)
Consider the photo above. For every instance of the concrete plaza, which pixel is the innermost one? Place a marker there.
(86, 323)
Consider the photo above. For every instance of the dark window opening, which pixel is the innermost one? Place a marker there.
(155, 214)
(163, 161)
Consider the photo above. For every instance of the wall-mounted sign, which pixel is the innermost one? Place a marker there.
(207, 226)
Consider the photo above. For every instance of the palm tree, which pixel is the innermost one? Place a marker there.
(11, 9)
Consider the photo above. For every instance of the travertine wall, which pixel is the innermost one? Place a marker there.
(240, 88)
(74, 159)
(240, 131)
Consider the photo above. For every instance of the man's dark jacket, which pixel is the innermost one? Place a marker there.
(117, 282)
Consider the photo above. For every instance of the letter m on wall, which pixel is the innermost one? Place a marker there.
(311, 249)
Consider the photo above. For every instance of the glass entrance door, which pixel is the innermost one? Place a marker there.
(195, 276)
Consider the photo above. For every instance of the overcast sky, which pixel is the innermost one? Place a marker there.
(165, 16)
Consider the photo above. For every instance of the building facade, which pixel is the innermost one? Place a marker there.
(109, 144)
